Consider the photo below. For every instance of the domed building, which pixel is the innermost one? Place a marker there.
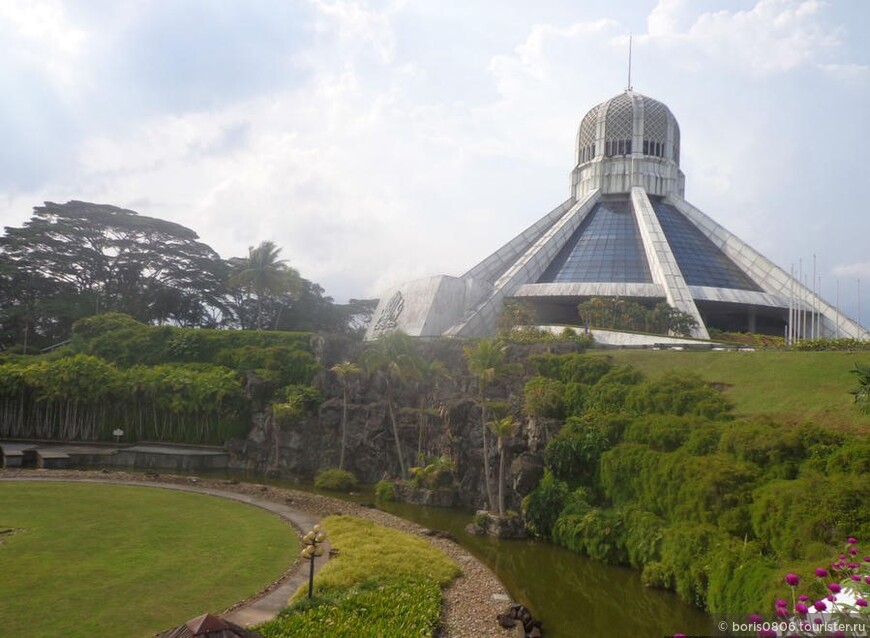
(625, 231)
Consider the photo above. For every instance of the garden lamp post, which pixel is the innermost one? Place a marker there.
(312, 539)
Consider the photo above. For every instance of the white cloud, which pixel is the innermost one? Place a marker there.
(40, 35)
(859, 270)
(771, 37)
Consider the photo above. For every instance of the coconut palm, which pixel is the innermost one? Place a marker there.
(344, 371)
(502, 428)
(394, 354)
(486, 361)
(429, 373)
(263, 274)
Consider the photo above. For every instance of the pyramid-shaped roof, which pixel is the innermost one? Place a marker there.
(626, 230)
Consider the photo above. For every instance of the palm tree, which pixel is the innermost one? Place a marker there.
(344, 371)
(395, 355)
(486, 362)
(262, 273)
(502, 428)
(429, 374)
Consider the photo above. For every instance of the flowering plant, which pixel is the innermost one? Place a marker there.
(841, 612)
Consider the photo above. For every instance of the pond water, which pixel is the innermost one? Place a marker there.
(573, 596)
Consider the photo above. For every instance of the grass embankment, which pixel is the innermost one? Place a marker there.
(383, 584)
(108, 560)
(795, 387)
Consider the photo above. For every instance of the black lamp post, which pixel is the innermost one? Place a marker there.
(312, 539)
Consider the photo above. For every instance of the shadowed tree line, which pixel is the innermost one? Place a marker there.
(78, 259)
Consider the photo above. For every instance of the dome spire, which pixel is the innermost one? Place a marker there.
(629, 87)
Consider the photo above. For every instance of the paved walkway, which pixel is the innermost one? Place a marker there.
(266, 605)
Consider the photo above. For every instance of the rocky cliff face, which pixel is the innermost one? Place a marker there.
(433, 420)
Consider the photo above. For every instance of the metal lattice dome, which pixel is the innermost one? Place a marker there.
(629, 123)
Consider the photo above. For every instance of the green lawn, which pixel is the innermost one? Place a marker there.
(794, 386)
(109, 560)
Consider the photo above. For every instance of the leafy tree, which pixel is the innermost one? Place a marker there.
(394, 354)
(514, 313)
(344, 371)
(76, 259)
(502, 428)
(486, 361)
(259, 278)
(621, 314)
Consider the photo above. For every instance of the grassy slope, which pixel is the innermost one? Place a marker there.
(96, 560)
(793, 386)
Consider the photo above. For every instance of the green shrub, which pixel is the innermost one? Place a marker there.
(661, 432)
(774, 447)
(796, 518)
(675, 485)
(371, 610)
(852, 458)
(574, 398)
(703, 438)
(573, 454)
(335, 480)
(577, 368)
(385, 491)
(598, 534)
(543, 398)
(643, 536)
(678, 393)
(610, 392)
(577, 503)
(541, 508)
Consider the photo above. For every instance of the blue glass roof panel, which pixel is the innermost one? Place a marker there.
(605, 248)
(700, 261)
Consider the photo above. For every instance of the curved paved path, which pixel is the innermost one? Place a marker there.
(266, 605)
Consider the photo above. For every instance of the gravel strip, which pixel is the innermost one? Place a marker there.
(471, 601)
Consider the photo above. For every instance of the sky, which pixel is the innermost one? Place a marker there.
(377, 142)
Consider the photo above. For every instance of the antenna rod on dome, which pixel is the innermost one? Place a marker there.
(629, 62)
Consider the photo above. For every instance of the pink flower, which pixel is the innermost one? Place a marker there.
(679, 635)
(781, 603)
(821, 572)
(803, 598)
(851, 540)
(867, 559)
(856, 578)
(820, 605)
(793, 580)
(853, 551)
(754, 618)
(861, 602)
(801, 608)
(781, 612)
(767, 633)
(834, 587)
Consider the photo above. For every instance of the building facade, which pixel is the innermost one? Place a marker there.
(625, 231)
